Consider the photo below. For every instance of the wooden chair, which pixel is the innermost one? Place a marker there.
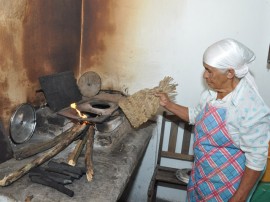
(165, 176)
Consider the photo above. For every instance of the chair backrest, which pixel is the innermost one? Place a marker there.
(171, 153)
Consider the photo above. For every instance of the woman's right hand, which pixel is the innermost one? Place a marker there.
(174, 108)
(164, 99)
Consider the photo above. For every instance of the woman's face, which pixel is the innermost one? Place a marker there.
(215, 78)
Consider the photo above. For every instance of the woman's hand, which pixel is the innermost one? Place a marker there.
(164, 99)
(176, 109)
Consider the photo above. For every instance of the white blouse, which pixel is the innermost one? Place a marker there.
(247, 120)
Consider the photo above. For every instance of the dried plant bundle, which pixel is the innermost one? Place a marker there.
(143, 104)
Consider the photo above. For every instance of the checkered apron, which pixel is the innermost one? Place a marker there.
(219, 164)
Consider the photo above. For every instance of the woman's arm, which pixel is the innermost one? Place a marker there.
(249, 179)
(176, 109)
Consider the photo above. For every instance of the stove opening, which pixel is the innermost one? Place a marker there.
(101, 106)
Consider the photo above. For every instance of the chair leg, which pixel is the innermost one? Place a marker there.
(152, 192)
(154, 196)
(152, 189)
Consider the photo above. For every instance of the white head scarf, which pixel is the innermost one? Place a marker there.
(229, 53)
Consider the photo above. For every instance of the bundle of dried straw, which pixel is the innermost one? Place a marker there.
(143, 104)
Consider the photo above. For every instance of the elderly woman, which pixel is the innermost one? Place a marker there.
(231, 127)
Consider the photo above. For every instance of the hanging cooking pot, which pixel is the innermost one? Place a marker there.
(22, 123)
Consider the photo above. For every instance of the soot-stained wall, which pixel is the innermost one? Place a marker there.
(51, 37)
(37, 38)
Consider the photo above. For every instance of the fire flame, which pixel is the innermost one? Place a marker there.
(74, 106)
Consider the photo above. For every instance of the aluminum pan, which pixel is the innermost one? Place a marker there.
(22, 123)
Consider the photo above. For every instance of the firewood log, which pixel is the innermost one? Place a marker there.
(74, 155)
(51, 183)
(37, 148)
(71, 134)
(66, 167)
(57, 177)
(89, 154)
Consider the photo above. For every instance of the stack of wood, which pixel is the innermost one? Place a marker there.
(67, 138)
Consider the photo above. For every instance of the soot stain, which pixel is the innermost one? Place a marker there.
(97, 24)
(51, 37)
(8, 50)
(4, 99)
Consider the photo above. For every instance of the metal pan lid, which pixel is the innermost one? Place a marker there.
(89, 84)
(22, 123)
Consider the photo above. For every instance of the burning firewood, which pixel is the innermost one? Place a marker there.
(89, 153)
(74, 155)
(71, 134)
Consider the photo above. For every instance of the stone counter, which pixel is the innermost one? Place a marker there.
(113, 168)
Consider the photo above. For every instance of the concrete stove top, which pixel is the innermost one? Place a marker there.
(113, 167)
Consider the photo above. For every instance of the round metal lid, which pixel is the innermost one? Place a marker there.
(89, 84)
(22, 123)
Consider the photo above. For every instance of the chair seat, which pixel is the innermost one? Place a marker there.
(167, 177)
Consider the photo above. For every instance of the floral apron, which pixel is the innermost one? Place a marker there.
(218, 164)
